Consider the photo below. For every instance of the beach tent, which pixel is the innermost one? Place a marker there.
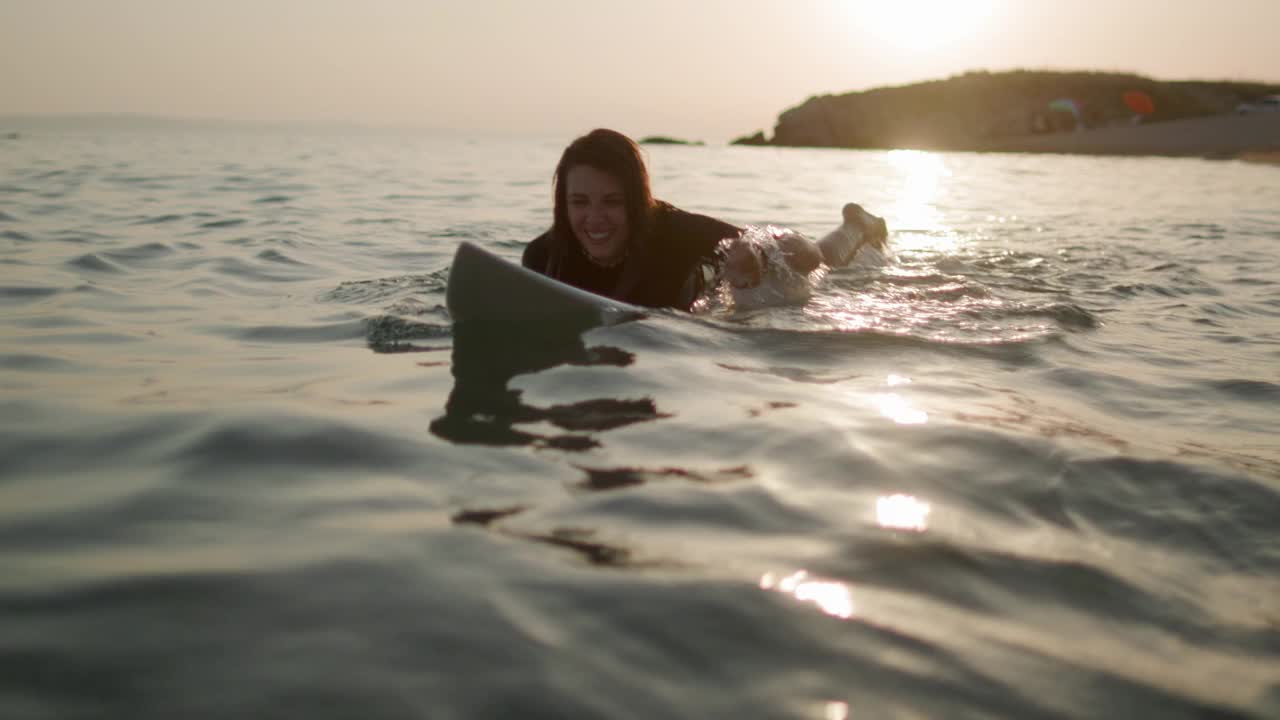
(1139, 102)
(1068, 105)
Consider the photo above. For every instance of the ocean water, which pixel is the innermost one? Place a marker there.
(1029, 468)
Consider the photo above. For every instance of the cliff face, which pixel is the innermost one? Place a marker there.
(980, 110)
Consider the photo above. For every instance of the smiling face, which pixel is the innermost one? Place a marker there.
(597, 210)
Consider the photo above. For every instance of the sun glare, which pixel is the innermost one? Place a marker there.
(920, 180)
(922, 25)
(832, 597)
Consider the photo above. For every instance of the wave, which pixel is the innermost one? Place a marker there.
(1251, 391)
(27, 362)
(385, 290)
(27, 293)
(143, 252)
(225, 223)
(93, 263)
(260, 444)
(160, 219)
(327, 332)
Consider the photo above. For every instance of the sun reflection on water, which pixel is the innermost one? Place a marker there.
(916, 213)
(902, 512)
(831, 597)
(898, 409)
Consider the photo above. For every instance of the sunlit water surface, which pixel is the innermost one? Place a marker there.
(1029, 468)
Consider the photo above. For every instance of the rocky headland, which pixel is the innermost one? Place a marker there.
(1038, 111)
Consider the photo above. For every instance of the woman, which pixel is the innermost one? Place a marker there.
(611, 237)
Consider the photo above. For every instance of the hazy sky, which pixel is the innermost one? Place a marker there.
(708, 69)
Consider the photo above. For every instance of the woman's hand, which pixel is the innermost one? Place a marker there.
(801, 254)
(743, 263)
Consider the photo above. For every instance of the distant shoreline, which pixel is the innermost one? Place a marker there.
(1249, 137)
(1261, 158)
(1041, 111)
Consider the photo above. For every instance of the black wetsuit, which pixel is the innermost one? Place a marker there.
(680, 244)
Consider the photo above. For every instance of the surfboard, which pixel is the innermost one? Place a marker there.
(484, 287)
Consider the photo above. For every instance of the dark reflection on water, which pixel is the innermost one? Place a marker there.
(484, 517)
(620, 477)
(580, 540)
(482, 410)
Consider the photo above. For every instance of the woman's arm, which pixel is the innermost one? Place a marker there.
(802, 254)
(745, 262)
(537, 253)
(689, 234)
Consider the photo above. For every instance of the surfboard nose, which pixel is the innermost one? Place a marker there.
(488, 289)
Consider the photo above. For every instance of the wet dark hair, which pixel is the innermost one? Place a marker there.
(611, 152)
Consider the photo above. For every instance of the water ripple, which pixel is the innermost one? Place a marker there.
(229, 222)
(93, 263)
(26, 293)
(278, 257)
(160, 219)
(39, 363)
(331, 332)
(261, 444)
(140, 253)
